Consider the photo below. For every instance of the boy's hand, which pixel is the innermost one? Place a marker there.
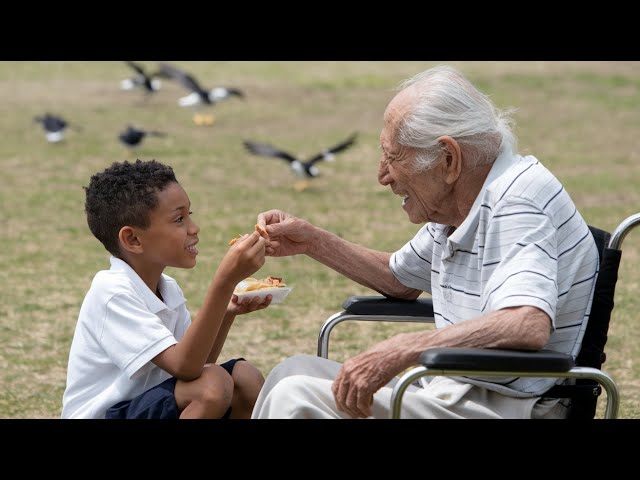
(245, 257)
(247, 305)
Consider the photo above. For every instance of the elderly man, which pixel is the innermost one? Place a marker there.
(507, 258)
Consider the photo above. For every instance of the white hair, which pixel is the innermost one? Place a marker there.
(448, 104)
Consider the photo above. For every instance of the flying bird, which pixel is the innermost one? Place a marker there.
(306, 169)
(199, 95)
(132, 137)
(148, 82)
(54, 126)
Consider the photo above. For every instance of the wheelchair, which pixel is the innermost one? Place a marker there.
(588, 377)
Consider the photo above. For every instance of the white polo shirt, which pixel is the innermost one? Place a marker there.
(122, 325)
(523, 243)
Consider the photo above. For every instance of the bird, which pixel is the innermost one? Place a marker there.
(54, 126)
(148, 82)
(132, 137)
(306, 169)
(199, 96)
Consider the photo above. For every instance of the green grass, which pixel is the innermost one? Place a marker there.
(579, 118)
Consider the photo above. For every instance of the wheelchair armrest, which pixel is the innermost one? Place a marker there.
(384, 306)
(499, 360)
(375, 308)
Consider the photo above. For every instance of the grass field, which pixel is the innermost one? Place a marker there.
(581, 119)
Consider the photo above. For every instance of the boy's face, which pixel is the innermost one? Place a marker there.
(170, 240)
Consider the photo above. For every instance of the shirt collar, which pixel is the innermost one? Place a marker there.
(465, 234)
(172, 296)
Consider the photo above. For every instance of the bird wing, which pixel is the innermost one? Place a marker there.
(181, 76)
(335, 149)
(136, 67)
(55, 123)
(267, 150)
(221, 93)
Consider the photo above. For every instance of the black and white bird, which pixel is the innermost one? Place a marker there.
(132, 137)
(199, 95)
(53, 126)
(148, 82)
(306, 169)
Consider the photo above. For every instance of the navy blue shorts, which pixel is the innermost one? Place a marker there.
(158, 402)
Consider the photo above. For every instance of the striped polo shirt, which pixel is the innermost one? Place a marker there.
(523, 243)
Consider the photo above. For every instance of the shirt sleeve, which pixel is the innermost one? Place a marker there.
(521, 242)
(412, 264)
(131, 334)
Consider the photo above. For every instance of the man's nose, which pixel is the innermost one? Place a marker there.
(383, 173)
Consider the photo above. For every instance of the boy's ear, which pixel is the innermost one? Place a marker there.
(129, 240)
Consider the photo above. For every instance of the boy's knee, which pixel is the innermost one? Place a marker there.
(245, 374)
(216, 386)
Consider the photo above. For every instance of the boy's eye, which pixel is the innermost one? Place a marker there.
(180, 219)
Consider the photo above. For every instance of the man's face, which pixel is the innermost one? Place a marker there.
(426, 195)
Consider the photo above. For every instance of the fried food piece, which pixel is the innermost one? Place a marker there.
(274, 281)
(262, 232)
(235, 239)
(251, 284)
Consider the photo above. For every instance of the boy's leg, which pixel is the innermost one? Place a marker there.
(247, 382)
(208, 396)
(156, 403)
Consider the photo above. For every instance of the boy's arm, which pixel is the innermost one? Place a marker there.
(227, 321)
(185, 359)
(234, 309)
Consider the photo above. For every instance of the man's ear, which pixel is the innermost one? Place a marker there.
(129, 240)
(453, 162)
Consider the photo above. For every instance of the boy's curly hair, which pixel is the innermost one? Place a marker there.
(123, 195)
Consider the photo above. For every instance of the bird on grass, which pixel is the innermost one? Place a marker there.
(132, 137)
(54, 126)
(306, 169)
(148, 82)
(199, 96)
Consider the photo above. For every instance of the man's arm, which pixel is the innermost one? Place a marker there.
(289, 235)
(362, 265)
(522, 328)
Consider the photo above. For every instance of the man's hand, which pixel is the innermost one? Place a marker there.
(363, 375)
(288, 235)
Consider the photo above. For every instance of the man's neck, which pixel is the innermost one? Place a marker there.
(467, 190)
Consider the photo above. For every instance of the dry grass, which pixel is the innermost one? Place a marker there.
(579, 118)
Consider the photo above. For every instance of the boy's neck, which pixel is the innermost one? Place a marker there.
(150, 275)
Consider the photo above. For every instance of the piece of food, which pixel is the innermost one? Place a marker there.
(235, 239)
(253, 288)
(250, 284)
(262, 232)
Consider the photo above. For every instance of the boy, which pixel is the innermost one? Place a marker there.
(135, 351)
